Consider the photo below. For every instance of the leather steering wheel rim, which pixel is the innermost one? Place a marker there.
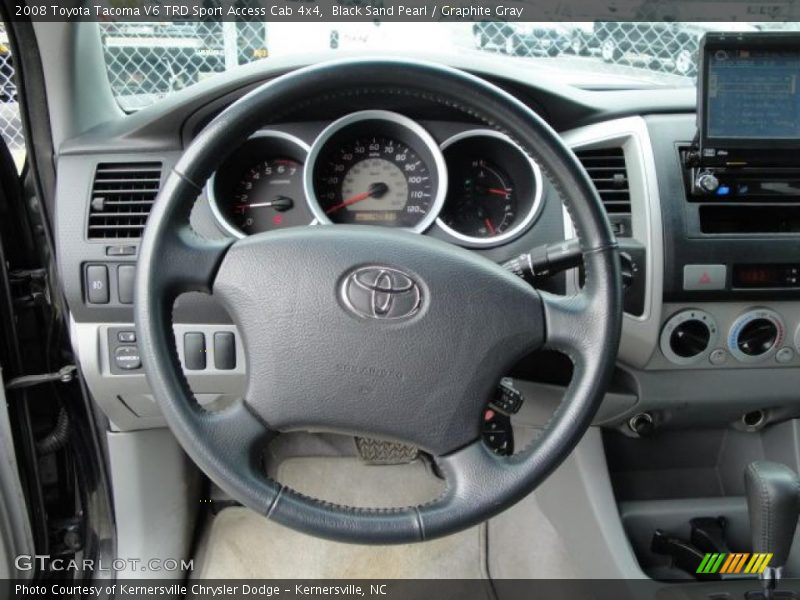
(227, 445)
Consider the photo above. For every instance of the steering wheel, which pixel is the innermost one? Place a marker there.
(314, 364)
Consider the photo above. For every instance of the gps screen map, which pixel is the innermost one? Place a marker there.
(753, 94)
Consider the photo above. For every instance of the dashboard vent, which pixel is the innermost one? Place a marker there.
(122, 196)
(606, 168)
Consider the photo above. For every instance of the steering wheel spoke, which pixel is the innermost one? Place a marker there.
(187, 262)
(566, 319)
(570, 319)
(177, 259)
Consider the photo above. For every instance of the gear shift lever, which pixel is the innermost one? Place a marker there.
(773, 502)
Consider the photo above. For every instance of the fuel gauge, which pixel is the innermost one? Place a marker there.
(494, 189)
(486, 205)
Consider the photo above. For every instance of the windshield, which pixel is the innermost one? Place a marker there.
(148, 61)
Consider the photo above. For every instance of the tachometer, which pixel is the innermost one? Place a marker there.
(259, 187)
(376, 168)
(266, 195)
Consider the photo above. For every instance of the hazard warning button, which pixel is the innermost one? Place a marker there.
(704, 277)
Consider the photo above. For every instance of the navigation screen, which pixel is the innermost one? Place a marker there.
(753, 94)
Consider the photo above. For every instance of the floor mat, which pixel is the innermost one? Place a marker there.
(239, 543)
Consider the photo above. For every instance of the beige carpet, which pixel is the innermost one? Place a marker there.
(239, 543)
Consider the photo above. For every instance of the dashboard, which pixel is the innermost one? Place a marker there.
(379, 167)
(711, 301)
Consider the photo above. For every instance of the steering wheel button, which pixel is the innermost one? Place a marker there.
(194, 351)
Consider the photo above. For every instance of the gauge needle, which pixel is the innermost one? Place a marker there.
(498, 191)
(376, 190)
(281, 204)
(489, 226)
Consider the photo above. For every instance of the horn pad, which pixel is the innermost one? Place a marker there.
(369, 331)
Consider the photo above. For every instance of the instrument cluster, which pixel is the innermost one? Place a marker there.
(378, 167)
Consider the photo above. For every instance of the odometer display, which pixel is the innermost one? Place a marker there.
(376, 168)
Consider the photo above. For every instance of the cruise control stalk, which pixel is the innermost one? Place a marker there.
(546, 260)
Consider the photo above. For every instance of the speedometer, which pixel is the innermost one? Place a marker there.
(378, 181)
(376, 168)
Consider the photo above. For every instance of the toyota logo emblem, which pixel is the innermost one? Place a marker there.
(381, 293)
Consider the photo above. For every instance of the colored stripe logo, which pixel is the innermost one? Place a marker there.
(734, 563)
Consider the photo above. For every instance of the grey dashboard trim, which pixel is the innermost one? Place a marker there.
(164, 126)
(639, 333)
(126, 399)
(578, 498)
(156, 488)
(726, 315)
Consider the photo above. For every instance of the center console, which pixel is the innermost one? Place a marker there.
(736, 211)
(719, 394)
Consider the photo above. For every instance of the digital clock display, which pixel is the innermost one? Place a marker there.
(766, 276)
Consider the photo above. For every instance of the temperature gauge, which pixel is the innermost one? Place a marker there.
(484, 201)
(495, 189)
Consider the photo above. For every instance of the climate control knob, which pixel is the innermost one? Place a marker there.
(756, 335)
(689, 336)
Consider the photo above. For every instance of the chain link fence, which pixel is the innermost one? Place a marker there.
(147, 61)
(10, 123)
(656, 46)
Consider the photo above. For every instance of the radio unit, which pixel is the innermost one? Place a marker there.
(748, 98)
(740, 213)
(743, 184)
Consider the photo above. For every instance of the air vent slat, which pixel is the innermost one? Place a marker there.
(607, 170)
(125, 192)
(122, 196)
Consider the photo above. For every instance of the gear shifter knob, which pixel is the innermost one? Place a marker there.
(773, 501)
